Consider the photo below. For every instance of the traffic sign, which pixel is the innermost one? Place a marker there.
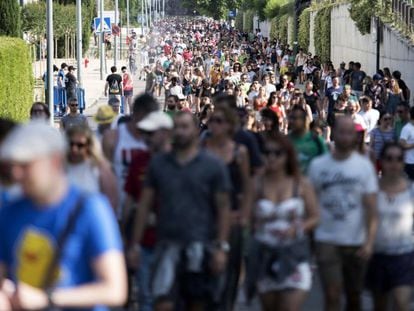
(106, 25)
(232, 13)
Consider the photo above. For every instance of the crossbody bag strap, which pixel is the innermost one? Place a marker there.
(61, 242)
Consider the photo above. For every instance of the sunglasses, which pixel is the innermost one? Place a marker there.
(38, 110)
(389, 158)
(78, 145)
(217, 120)
(387, 119)
(73, 105)
(276, 152)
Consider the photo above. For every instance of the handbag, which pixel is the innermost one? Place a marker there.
(61, 241)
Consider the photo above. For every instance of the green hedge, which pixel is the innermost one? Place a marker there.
(304, 29)
(322, 33)
(16, 79)
(279, 28)
(248, 21)
(238, 23)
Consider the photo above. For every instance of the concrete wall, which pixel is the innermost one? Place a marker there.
(348, 44)
(264, 26)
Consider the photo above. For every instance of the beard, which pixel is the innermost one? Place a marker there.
(181, 142)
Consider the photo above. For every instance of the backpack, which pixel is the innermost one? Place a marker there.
(114, 87)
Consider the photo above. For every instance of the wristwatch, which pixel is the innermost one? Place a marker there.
(222, 245)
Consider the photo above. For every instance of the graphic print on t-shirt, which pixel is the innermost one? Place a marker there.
(34, 255)
(339, 197)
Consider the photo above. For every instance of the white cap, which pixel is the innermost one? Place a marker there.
(31, 141)
(154, 121)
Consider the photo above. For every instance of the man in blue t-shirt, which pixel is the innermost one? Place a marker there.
(331, 96)
(90, 273)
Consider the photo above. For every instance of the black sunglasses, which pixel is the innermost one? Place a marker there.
(216, 120)
(78, 145)
(275, 152)
(389, 158)
(73, 105)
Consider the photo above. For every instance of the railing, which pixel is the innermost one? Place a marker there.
(403, 13)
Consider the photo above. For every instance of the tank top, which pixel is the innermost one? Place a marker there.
(274, 217)
(394, 234)
(126, 149)
(127, 82)
(84, 174)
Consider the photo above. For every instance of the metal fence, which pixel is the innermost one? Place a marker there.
(403, 11)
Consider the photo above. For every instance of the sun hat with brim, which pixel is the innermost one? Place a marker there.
(155, 121)
(31, 141)
(104, 115)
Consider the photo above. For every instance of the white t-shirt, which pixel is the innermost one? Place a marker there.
(358, 119)
(407, 134)
(269, 89)
(340, 186)
(371, 118)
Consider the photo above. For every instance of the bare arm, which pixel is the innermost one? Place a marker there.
(106, 88)
(311, 207)
(371, 222)
(110, 289)
(222, 200)
(109, 144)
(147, 199)
(246, 199)
(406, 145)
(108, 185)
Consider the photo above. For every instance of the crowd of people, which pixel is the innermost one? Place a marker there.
(244, 169)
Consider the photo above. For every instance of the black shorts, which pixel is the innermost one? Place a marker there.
(299, 69)
(386, 272)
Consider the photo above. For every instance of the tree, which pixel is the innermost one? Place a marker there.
(10, 18)
(215, 8)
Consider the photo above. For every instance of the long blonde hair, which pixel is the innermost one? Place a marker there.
(396, 88)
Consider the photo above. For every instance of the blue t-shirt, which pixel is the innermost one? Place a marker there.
(28, 235)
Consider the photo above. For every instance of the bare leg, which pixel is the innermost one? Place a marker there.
(270, 301)
(292, 300)
(164, 306)
(401, 298)
(380, 300)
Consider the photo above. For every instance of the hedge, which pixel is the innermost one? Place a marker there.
(322, 33)
(304, 30)
(16, 79)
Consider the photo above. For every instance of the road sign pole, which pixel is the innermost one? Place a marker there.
(102, 41)
(49, 38)
(142, 17)
(127, 11)
(79, 39)
(115, 37)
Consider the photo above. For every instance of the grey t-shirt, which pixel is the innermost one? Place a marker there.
(186, 195)
(69, 121)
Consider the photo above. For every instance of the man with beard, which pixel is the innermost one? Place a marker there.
(346, 185)
(192, 188)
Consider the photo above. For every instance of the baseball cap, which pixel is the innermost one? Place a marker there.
(377, 76)
(154, 121)
(31, 141)
(104, 115)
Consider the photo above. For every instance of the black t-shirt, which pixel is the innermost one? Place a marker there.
(70, 81)
(114, 81)
(311, 101)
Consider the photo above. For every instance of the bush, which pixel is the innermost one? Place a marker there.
(248, 21)
(322, 33)
(304, 30)
(238, 23)
(10, 18)
(16, 79)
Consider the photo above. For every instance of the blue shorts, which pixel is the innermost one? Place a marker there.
(386, 272)
(128, 93)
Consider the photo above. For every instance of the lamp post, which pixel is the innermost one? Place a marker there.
(79, 40)
(115, 37)
(49, 38)
(101, 40)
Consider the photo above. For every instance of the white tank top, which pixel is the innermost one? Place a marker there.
(127, 146)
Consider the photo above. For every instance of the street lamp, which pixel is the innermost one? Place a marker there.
(49, 41)
(79, 39)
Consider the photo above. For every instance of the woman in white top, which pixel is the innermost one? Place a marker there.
(390, 274)
(286, 211)
(87, 167)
